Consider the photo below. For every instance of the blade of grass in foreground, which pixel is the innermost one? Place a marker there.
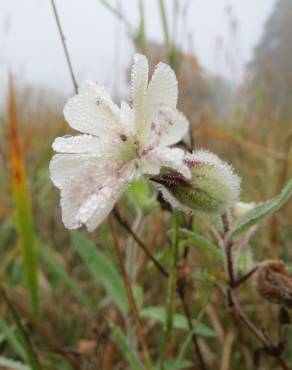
(61, 273)
(22, 344)
(22, 204)
(128, 352)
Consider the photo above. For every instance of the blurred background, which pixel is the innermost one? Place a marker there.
(233, 61)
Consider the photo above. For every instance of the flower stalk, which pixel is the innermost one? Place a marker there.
(131, 298)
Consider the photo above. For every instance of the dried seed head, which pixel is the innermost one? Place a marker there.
(274, 283)
(212, 188)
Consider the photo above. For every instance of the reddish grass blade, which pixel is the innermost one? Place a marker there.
(22, 204)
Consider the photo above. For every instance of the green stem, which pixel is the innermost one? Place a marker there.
(164, 24)
(168, 44)
(131, 299)
(171, 287)
(141, 38)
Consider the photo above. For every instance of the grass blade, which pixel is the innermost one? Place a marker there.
(12, 364)
(24, 340)
(124, 347)
(179, 321)
(10, 336)
(60, 272)
(22, 204)
(102, 269)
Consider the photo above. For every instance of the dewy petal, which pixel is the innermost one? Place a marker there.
(105, 202)
(168, 157)
(93, 112)
(89, 187)
(78, 188)
(89, 145)
(77, 144)
(139, 82)
(168, 126)
(65, 167)
(162, 89)
(127, 118)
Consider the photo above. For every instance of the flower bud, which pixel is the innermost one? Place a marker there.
(274, 283)
(212, 187)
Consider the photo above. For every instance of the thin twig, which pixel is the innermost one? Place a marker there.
(63, 40)
(130, 295)
(164, 273)
(229, 262)
(125, 225)
(243, 278)
(233, 282)
(235, 308)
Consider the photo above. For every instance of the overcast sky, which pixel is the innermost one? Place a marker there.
(99, 48)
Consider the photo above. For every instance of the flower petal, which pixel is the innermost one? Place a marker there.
(77, 192)
(139, 82)
(167, 157)
(89, 187)
(77, 144)
(168, 127)
(105, 201)
(93, 112)
(128, 119)
(162, 89)
(65, 167)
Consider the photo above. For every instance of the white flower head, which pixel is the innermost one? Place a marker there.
(117, 144)
(212, 188)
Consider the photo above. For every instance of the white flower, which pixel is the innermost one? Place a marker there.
(212, 188)
(118, 144)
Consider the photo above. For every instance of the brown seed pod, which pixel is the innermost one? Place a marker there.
(274, 283)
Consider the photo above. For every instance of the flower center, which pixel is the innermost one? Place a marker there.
(130, 147)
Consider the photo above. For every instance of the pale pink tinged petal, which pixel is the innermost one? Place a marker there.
(168, 126)
(100, 205)
(93, 112)
(139, 82)
(127, 119)
(162, 89)
(76, 191)
(89, 187)
(65, 167)
(78, 144)
(105, 202)
(171, 157)
(149, 165)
